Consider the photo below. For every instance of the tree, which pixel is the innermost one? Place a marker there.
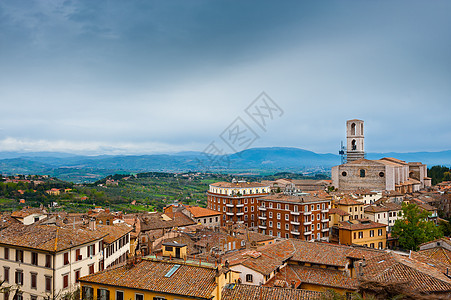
(414, 228)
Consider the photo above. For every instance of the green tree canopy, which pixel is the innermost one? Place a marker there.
(414, 228)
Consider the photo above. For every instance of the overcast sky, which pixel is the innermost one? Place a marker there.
(129, 77)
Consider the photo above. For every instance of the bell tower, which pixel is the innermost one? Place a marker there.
(354, 140)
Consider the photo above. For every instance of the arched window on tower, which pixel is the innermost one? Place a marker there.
(354, 146)
(353, 128)
(361, 129)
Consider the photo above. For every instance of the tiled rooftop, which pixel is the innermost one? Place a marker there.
(199, 212)
(252, 292)
(294, 199)
(394, 268)
(314, 275)
(47, 237)
(187, 280)
(360, 224)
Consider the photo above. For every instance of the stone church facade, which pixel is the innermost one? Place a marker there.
(378, 175)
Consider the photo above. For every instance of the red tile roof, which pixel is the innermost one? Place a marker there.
(149, 275)
(252, 292)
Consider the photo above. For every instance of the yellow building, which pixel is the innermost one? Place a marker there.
(353, 207)
(174, 250)
(363, 232)
(151, 279)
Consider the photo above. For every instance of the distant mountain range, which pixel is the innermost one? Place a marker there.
(79, 168)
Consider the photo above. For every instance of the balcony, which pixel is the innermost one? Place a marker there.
(230, 213)
(229, 205)
(240, 222)
(307, 223)
(240, 213)
(307, 233)
(296, 213)
(326, 210)
(295, 223)
(262, 226)
(324, 229)
(262, 208)
(307, 213)
(262, 217)
(325, 220)
(295, 232)
(240, 205)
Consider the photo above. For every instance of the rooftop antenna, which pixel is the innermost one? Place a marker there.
(342, 153)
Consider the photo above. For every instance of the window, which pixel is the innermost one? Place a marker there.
(278, 206)
(91, 250)
(355, 235)
(287, 217)
(380, 245)
(19, 277)
(119, 295)
(19, 255)
(278, 225)
(34, 280)
(65, 281)
(18, 296)
(139, 297)
(270, 214)
(159, 298)
(245, 209)
(48, 285)
(313, 227)
(103, 294)
(371, 233)
(381, 174)
(379, 232)
(48, 260)
(362, 173)
(34, 258)
(249, 278)
(6, 253)
(287, 207)
(270, 224)
(66, 258)
(318, 226)
(78, 255)
(312, 207)
(91, 269)
(278, 216)
(317, 206)
(372, 245)
(252, 209)
(77, 275)
(286, 226)
(360, 234)
(344, 173)
(33, 297)
(6, 274)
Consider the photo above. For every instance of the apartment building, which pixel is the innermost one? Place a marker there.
(46, 261)
(237, 200)
(385, 213)
(301, 216)
(362, 232)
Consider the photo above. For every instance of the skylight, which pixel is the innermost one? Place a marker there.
(172, 271)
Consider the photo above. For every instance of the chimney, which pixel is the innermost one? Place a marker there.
(92, 224)
(360, 269)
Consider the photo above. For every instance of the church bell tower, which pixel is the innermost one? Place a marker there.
(354, 140)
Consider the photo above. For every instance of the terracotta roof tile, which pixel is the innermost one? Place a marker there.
(187, 280)
(252, 292)
(394, 268)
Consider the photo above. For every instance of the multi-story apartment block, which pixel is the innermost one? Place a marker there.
(238, 201)
(301, 216)
(46, 261)
(385, 213)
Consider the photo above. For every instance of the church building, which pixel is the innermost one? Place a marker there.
(387, 173)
